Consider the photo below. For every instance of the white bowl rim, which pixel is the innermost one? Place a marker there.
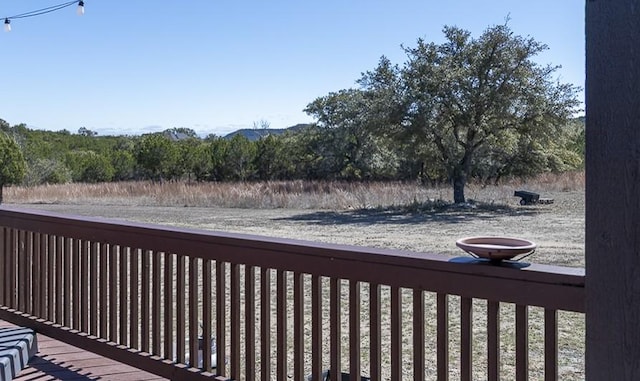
(496, 247)
(503, 241)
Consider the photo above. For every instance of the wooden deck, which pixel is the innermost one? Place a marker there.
(56, 360)
(127, 289)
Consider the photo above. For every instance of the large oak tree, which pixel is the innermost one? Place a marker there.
(469, 103)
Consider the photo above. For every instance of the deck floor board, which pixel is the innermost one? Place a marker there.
(56, 360)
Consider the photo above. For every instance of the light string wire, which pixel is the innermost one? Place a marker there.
(42, 11)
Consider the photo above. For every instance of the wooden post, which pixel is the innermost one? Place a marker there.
(613, 190)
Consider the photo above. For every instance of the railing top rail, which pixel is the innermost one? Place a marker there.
(541, 285)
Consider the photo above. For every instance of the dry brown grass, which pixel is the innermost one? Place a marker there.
(279, 194)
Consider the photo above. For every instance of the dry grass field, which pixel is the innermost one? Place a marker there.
(389, 215)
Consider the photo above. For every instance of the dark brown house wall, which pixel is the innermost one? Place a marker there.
(613, 189)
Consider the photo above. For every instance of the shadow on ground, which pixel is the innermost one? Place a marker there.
(450, 214)
(47, 368)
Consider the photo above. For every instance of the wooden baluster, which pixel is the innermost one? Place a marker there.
(124, 293)
(28, 266)
(24, 261)
(6, 267)
(134, 300)
(29, 263)
(113, 292)
(169, 341)
(104, 290)
(466, 338)
(4, 249)
(206, 316)
(236, 321)
(354, 330)
(60, 267)
(68, 280)
(76, 283)
(12, 289)
(93, 288)
(156, 302)
(550, 345)
(442, 336)
(35, 281)
(316, 326)
(522, 343)
(145, 301)
(281, 324)
(193, 312)
(84, 286)
(180, 308)
(15, 262)
(375, 323)
(418, 335)
(298, 326)
(493, 340)
(335, 324)
(250, 321)
(265, 324)
(49, 248)
(221, 305)
(396, 333)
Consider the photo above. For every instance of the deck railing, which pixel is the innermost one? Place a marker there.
(149, 296)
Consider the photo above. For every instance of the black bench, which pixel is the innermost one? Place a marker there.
(526, 197)
(531, 198)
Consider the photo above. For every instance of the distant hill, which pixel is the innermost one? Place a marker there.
(254, 134)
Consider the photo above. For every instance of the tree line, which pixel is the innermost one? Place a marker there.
(311, 153)
(469, 108)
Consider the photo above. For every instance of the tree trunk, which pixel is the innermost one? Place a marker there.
(1, 188)
(460, 176)
(459, 180)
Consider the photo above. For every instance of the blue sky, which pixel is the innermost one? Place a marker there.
(131, 67)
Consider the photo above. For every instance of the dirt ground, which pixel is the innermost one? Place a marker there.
(557, 229)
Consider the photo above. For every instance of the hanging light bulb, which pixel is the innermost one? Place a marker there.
(80, 9)
(7, 25)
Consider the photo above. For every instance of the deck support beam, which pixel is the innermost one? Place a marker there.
(613, 190)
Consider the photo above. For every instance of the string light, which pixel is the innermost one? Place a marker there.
(42, 11)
